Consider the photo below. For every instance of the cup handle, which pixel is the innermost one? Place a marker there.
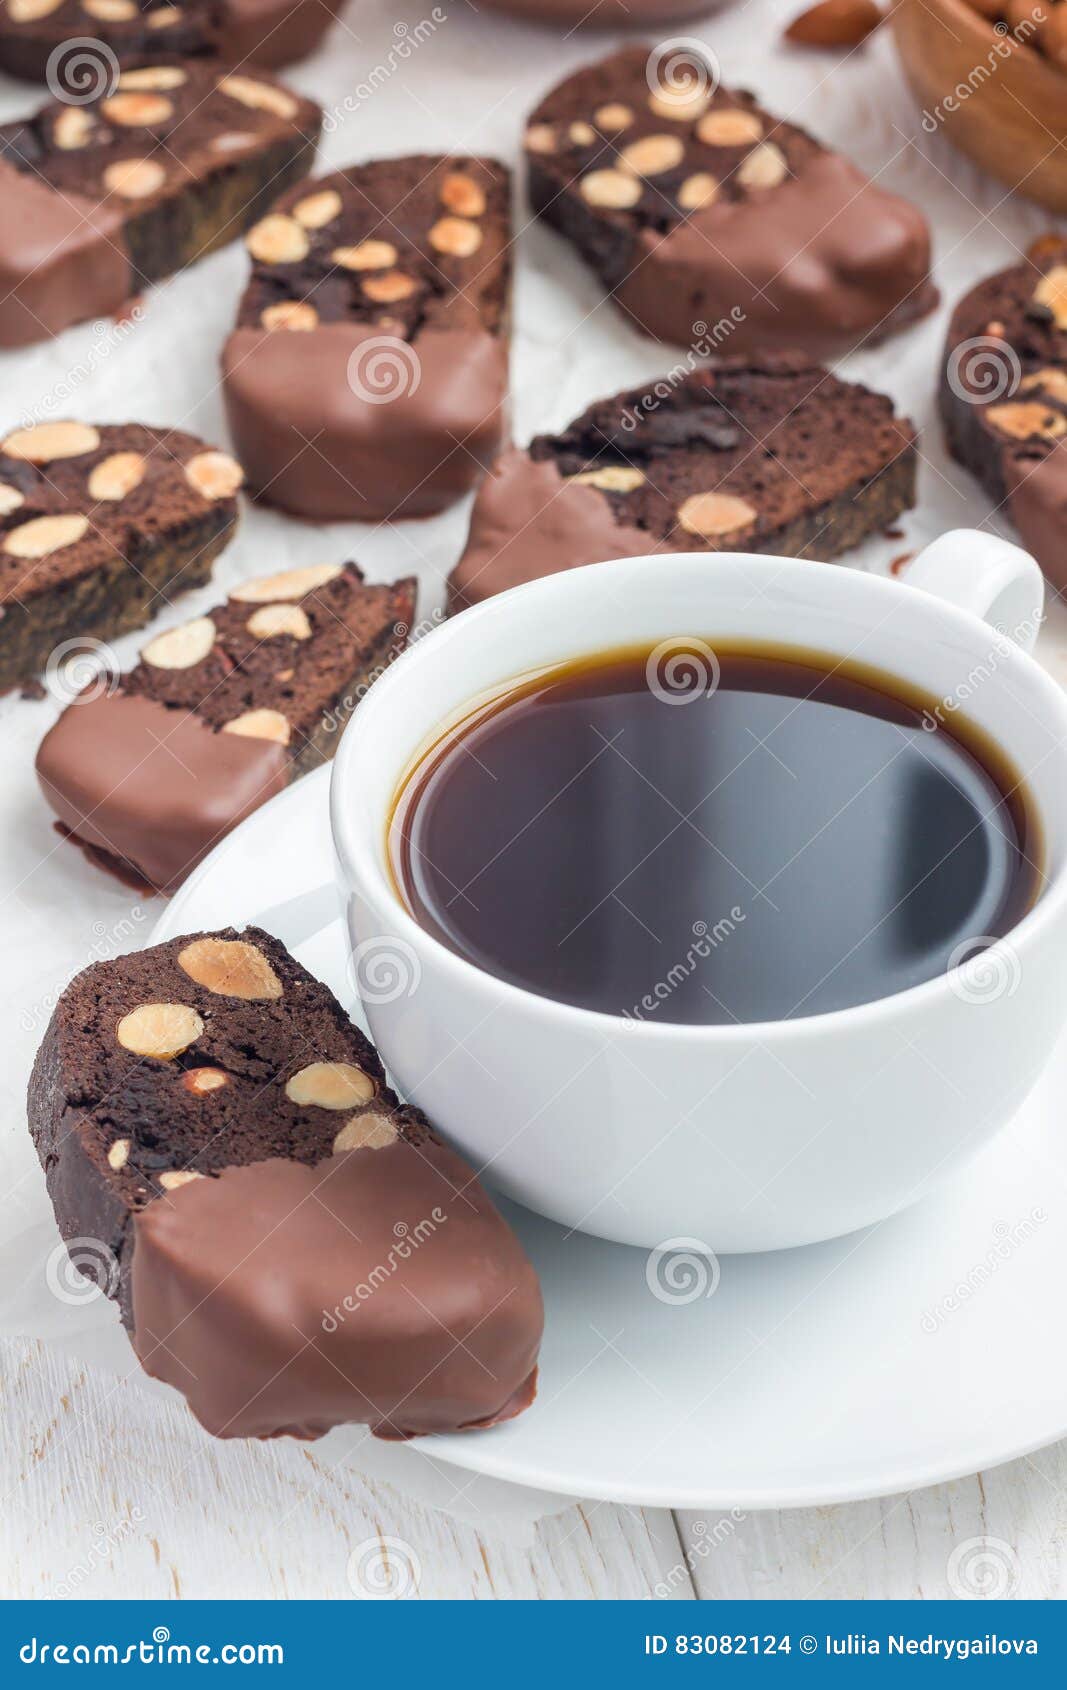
(989, 577)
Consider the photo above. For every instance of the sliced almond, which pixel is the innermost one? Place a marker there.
(764, 167)
(43, 443)
(233, 141)
(175, 1177)
(231, 968)
(330, 1085)
(713, 514)
(730, 128)
(318, 209)
(461, 195)
(611, 478)
(137, 111)
(610, 190)
(391, 288)
(118, 1154)
(369, 1131)
(613, 117)
(164, 17)
(581, 134)
(1051, 381)
(260, 724)
(182, 647)
(698, 191)
(28, 11)
(653, 155)
(134, 178)
(277, 240)
(156, 77)
(272, 620)
(368, 255)
(44, 535)
(540, 138)
(10, 499)
(110, 11)
(455, 237)
(200, 1081)
(260, 96)
(680, 105)
(1027, 420)
(161, 1030)
(288, 584)
(73, 128)
(290, 314)
(1051, 290)
(116, 476)
(215, 475)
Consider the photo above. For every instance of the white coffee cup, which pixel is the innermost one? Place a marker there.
(740, 1137)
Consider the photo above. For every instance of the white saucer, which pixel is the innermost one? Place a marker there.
(920, 1350)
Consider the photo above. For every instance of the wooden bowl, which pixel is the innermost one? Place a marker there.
(1002, 104)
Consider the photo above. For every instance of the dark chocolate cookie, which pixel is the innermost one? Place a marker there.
(290, 1246)
(767, 454)
(219, 715)
(268, 33)
(367, 374)
(1004, 396)
(703, 213)
(98, 528)
(105, 196)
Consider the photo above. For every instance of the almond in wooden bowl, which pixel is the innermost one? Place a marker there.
(993, 85)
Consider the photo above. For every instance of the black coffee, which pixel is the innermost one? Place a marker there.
(738, 836)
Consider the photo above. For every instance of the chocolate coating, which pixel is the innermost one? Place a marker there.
(152, 787)
(379, 1287)
(273, 33)
(62, 259)
(528, 522)
(822, 261)
(318, 436)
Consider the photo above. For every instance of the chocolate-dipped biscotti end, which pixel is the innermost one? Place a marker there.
(702, 214)
(291, 1246)
(107, 195)
(267, 33)
(367, 374)
(219, 715)
(769, 453)
(1004, 397)
(99, 526)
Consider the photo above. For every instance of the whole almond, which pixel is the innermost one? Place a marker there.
(835, 23)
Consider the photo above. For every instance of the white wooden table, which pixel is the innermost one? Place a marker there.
(107, 1493)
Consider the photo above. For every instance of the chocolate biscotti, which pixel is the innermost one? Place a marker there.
(219, 715)
(291, 1247)
(103, 197)
(367, 374)
(84, 34)
(770, 453)
(1004, 396)
(99, 527)
(701, 212)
